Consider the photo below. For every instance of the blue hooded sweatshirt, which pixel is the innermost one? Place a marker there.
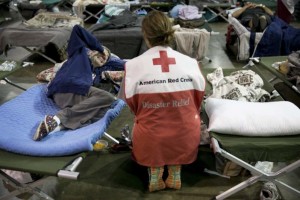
(75, 76)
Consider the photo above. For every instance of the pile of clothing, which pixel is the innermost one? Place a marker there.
(187, 16)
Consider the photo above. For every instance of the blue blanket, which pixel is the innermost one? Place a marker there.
(19, 119)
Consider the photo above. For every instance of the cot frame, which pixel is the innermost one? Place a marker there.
(68, 172)
(221, 7)
(258, 174)
(21, 188)
(265, 63)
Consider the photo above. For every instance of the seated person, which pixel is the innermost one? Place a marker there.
(164, 89)
(72, 90)
(254, 17)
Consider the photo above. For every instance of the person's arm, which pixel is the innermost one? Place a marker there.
(82, 38)
(266, 9)
(121, 93)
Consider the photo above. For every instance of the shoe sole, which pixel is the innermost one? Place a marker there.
(36, 135)
(46, 126)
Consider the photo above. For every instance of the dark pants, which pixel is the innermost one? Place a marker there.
(79, 110)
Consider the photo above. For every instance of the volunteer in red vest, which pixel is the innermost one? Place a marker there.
(164, 89)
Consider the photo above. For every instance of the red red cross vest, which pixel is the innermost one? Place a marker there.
(164, 89)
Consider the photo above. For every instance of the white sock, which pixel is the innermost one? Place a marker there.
(56, 119)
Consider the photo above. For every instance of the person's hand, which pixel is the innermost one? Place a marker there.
(249, 5)
(101, 58)
(261, 5)
(98, 58)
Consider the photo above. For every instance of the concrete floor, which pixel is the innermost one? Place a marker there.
(115, 176)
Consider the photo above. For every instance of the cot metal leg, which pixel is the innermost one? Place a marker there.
(238, 187)
(272, 79)
(12, 83)
(33, 51)
(93, 15)
(287, 187)
(111, 138)
(205, 59)
(217, 14)
(21, 188)
(69, 171)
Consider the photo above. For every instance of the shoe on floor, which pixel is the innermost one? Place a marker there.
(50, 123)
(41, 132)
(269, 191)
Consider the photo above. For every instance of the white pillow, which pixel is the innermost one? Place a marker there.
(252, 118)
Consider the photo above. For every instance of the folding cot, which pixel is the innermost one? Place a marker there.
(46, 35)
(91, 10)
(288, 90)
(56, 155)
(34, 45)
(216, 7)
(266, 63)
(243, 149)
(61, 167)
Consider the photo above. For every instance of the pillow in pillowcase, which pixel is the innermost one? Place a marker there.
(252, 118)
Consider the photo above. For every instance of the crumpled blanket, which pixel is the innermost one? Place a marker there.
(241, 85)
(189, 12)
(53, 20)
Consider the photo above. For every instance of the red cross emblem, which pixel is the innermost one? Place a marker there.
(164, 61)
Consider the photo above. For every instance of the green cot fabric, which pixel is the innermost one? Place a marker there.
(49, 2)
(266, 64)
(39, 165)
(252, 149)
